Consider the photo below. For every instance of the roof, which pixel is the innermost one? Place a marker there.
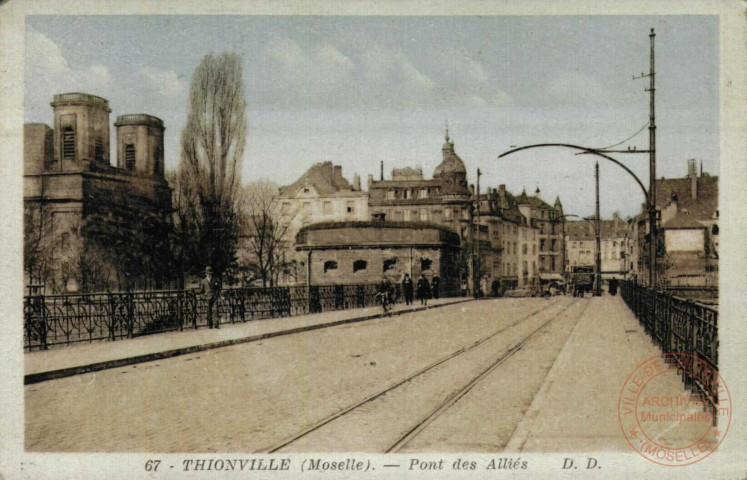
(683, 221)
(702, 207)
(322, 177)
(451, 162)
(583, 230)
(375, 224)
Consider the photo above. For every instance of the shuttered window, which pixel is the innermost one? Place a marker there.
(68, 143)
(99, 150)
(130, 157)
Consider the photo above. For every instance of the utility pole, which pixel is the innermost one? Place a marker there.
(652, 170)
(598, 239)
(476, 270)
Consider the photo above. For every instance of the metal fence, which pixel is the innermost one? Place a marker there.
(65, 319)
(680, 326)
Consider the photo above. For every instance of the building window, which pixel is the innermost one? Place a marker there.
(389, 264)
(328, 208)
(424, 193)
(714, 230)
(285, 207)
(306, 208)
(130, 157)
(98, 151)
(423, 215)
(351, 207)
(524, 249)
(68, 143)
(425, 264)
(406, 214)
(542, 245)
(447, 214)
(330, 265)
(306, 190)
(553, 247)
(359, 265)
(390, 195)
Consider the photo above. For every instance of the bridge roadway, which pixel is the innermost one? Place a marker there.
(486, 376)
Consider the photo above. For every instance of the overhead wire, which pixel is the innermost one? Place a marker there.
(620, 143)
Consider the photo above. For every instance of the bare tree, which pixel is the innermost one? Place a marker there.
(38, 243)
(213, 144)
(265, 232)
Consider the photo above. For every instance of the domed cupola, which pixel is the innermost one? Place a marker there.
(451, 162)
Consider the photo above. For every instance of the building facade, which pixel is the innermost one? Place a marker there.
(320, 195)
(446, 199)
(364, 252)
(615, 243)
(89, 225)
(687, 243)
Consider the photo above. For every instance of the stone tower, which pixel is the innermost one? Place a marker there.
(140, 144)
(81, 131)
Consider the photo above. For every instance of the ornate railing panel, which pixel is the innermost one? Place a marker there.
(680, 326)
(66, 319)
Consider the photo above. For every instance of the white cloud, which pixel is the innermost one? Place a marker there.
(46, 64)
(163, 82)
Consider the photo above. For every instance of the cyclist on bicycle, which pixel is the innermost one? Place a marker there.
(385, 293)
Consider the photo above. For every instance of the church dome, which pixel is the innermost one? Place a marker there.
(451, 162)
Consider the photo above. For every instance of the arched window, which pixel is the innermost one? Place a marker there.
(68, 143)
(359, 265)
(389, 264)
(330, 265)
(130, 157)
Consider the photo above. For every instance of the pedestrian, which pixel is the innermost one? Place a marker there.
(209, 294)
(436, 286)
(407, 289)
(424, 290)
(613, 286)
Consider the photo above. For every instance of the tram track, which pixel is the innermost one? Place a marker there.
(458, 394)
(452, 398)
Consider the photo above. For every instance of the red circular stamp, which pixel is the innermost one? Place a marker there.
(665, 423)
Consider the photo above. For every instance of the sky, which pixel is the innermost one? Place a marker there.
(360, 90)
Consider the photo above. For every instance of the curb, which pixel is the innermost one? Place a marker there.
(149, 357)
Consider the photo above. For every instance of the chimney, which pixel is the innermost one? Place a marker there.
(356, 182)
(692, 174)
(382, 171)
(337, 175)
(370, 180)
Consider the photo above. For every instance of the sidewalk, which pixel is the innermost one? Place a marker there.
(86, 357)
(576, 407)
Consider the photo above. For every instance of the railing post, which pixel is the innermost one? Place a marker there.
(112, 316)
(130, 313)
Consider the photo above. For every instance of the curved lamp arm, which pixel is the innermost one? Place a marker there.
(587, 150)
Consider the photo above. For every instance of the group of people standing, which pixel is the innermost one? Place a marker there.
(425, 289)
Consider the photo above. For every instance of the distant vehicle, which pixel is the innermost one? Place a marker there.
(518, 292)
(582, 281)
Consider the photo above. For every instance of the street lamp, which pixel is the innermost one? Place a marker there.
(651, 192)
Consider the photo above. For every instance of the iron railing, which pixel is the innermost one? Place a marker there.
(65, 319)
(685, 330)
